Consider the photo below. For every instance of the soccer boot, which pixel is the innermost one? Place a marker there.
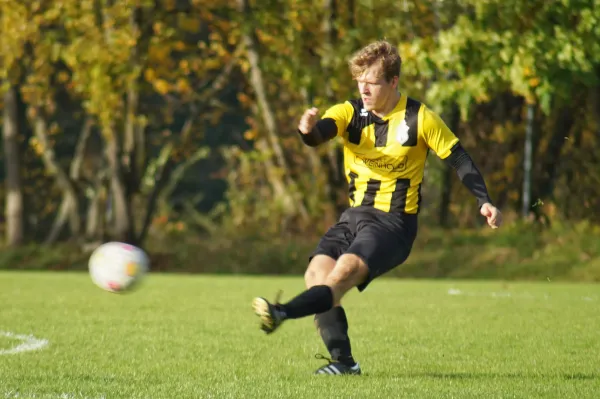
(270, 316)
(337, 368)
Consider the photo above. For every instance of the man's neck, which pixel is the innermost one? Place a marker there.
(389, 105)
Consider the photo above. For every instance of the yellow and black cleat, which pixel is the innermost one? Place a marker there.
(270, 316)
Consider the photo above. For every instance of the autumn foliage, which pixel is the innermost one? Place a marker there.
(123, 119)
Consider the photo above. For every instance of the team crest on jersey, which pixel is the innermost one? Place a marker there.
(402, 132)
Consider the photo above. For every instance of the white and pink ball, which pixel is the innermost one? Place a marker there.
(118, 267)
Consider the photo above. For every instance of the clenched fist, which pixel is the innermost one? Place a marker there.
(493, 215)
(308, 120)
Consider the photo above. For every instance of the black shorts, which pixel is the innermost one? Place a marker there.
(382, 240)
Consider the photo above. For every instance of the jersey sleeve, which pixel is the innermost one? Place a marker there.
(341, 114)
(437, 134)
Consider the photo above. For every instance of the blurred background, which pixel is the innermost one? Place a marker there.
(171, 124)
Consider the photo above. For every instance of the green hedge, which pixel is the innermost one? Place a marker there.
(517, 251)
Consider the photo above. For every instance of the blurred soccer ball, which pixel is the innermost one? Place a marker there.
(118, 267)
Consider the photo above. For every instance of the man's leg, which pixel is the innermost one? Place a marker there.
(349, 271)
(318, 298)
(332, 325)
(318, 269)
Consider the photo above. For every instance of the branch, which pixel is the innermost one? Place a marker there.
(180, 170)
(208, 89)
(164, 165)
(69, 206)
(78, 156)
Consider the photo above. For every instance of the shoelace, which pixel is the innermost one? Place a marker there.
(322, 357)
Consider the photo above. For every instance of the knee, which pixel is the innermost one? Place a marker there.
(317, 271)
(349, 270)
(310, 275)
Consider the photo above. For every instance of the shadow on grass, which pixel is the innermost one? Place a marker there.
(477, 376)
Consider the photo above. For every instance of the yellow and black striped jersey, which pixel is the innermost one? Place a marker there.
(384, 158)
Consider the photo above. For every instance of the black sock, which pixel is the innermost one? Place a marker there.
(317, 299)
(333, 327)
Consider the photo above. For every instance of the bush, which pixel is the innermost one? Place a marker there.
(517, 251)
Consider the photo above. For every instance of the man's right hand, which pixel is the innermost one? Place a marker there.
(308, 120)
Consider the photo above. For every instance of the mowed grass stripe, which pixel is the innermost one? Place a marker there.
(182, 336)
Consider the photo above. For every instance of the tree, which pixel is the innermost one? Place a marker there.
(14, 191)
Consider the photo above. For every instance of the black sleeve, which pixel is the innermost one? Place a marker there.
(324, 130)
(468, 173)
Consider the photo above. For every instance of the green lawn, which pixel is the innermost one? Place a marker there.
(196, 337)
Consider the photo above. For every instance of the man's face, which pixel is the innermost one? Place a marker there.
(374, 89)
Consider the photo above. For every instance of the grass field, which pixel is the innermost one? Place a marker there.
(196, 337)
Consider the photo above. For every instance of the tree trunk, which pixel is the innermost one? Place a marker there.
(134, 146)
(272, 175)
(448, 173)
(70, 199)
(95, 226)
(259, 87)
(66, 208)
(69, 207)
(291, 205)
(12, 161)
(160, 180)
(551, 159)
(351, 14)
(122, 217)
(528, 161)
(336, 178)
(319, 185)
(330, 38)
(595, 98)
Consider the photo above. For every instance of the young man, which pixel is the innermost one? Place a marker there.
(387, 137)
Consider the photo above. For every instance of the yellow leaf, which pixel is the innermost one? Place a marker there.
(150, 74)
(36, 145)
(179, 45)
(534, 82)
(183, 86)
(250, 134)
(54, 128)
(184, 65)
(63, 77)
(161, 86)
(158, 53)
(243, 98)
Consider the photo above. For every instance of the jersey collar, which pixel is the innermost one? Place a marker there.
(400, 106)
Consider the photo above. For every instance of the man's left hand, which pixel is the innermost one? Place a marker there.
(493, 215)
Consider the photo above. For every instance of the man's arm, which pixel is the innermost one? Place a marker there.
(323, 131)
(334, 122)
(447, 146)
(468, 173)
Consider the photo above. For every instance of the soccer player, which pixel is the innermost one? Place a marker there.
(386, 137)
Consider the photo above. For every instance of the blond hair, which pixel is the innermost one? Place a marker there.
(380, 52)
